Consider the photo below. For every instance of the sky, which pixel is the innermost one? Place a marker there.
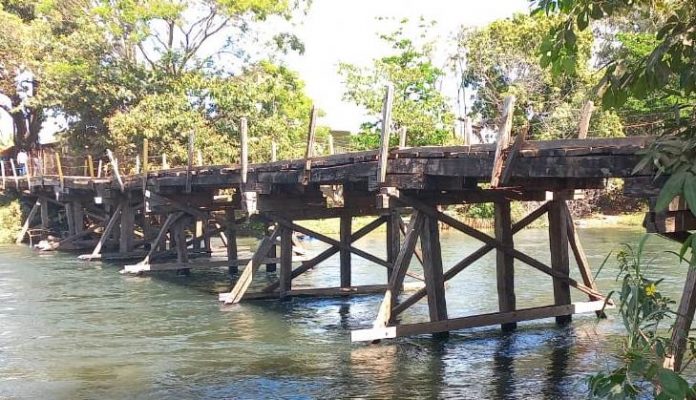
(346, 31)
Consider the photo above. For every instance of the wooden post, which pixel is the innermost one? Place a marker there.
(558, 239)
(505, 271)
(402, 137)
(189, 164)
(45, 221)
(181, 248)
(432, 269)
(585, 115)
(90, 165)
(4, 178)
(231, 233)
(85, 167)
(393, 238)
(114, 167)
(78, 215)
(244, 143)
(137, 164)
(199, 157)
(99, 169)
(198, 232)
(386, 126)
(127, 226)
(165, 164)
(272, 253)
(146, 156)
(332, 150)
(14, 173)
(311, 137)
(503, 139)
(285, 278)
(345, 257)
(274, 151)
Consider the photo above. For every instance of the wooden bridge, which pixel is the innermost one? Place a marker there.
(165, 219)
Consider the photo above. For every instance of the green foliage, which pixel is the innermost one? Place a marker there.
(501, 59)
(10, 220)
(642, 309)
(418, 104)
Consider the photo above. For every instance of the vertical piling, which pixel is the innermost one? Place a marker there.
(432, 268)
(345, 257)
(505, 272)
(558, 239)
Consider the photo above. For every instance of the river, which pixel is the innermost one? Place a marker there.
(72, 330)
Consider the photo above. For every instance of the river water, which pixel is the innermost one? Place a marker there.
(71, 330)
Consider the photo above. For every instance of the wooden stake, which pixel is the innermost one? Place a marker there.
(14, 173)
(189, 165)
(393, 241)
(274, 151)
(272, 253)
(99, 169)
(505, 271)
(137, 164)
(558, 239)
(146, 156)
(311, 138)
(199, 157)
(90, 165)
(244, 143)
(345, 256)
(332, 151)
(4, 178)
(165, 164)
(383, 154)
(402, 137)
(585, 115)
(503, 139)
(235, 296)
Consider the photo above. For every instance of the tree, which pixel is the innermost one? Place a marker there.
(500, 59)
(94, 60)
(419, 107)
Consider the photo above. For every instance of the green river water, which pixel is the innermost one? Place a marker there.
(76, 330)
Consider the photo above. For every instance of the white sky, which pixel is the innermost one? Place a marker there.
(346, 31)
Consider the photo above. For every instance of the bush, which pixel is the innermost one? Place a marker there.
(10, 220)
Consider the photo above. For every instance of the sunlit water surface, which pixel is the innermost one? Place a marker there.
(71, 329)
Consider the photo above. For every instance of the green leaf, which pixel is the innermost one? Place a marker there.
(690, 192)
(672, 188)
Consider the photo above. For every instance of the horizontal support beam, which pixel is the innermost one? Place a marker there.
(473, 321)
(140, 268)
(325, 292)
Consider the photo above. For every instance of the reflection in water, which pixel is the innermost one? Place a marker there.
(70, 329)
(503, 370)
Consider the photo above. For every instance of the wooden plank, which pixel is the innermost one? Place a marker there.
(27, 222)
(345, 256)
(386, 131)
(585, 115)
(14, 173)
(503, 139)
(505, 263)
(285, 276)
(244, 281)
(558, 241)
(115, 217)
(432, 268)
(325, 292)
(474, 321)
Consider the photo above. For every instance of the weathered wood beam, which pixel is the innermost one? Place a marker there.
(393, 241)
(432, 268)
(27, 222)
(161, 235)
(585, 115)
(474, 321)
(285, 276)
(244, 281)
(115, 218)
(505, 263)
(558, 241)
(345, 256)
(383, 156)
(503, 140)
